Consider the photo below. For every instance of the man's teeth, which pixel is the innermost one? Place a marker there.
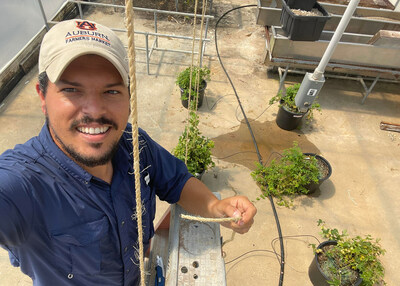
(93, 131)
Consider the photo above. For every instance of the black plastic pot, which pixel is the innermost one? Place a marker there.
(185, 102)
(287, 119)
(303, 28)
(306, 5)
(317, 277)
(312, 187)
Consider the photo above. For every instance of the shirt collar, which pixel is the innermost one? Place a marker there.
(120, 161)
(60, 157)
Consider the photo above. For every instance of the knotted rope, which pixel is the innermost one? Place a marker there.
(135, 131)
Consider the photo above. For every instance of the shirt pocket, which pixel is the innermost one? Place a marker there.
(81, 243)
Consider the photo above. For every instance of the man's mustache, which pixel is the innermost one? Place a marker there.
(88, 120)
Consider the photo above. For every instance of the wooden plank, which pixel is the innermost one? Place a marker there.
(390, 126)
(385, 38)
(381, 4)
(159, 246)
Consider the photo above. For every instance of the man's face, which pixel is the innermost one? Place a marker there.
(87, 110)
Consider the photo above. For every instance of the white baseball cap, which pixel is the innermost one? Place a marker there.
(71, 39)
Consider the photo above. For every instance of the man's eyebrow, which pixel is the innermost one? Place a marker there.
(115, 84)
(69, 82)
(79, 85)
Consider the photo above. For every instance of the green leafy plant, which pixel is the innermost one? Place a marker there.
(199, 75)
(198, 147)
(350, 257)
(288, 176)
(288, 101)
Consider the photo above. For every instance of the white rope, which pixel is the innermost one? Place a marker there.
(206, 219)
(135, 131)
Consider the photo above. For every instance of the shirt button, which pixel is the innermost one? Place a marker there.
(70, 276)
(122, 223)
(125, 249)
(127, 271)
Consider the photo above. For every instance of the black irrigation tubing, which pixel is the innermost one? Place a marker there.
(282, 261)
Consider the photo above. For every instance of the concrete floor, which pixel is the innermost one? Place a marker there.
(360, 196)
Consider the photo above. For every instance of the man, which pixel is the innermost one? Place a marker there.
(67, 199)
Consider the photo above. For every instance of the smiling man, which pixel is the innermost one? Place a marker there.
(67, 198)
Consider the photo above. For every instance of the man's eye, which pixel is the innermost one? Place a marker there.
(69, 89)
(112, 91)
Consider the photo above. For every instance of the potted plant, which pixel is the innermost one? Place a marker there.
(289, 116)
(344, 260)
(198, 150)
(194, 77)
(294, 173)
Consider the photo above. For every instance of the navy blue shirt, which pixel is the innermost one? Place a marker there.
(63, 226)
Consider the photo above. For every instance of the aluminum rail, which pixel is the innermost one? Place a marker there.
(140, 9)
(154, 47)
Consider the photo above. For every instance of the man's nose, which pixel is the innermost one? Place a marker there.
(93, 104)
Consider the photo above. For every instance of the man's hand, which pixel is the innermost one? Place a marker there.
(238, 206)
(197, 199)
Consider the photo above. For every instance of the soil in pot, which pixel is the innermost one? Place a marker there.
(319, 270)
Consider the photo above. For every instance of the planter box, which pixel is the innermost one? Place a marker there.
(306, 5)
(303, 28)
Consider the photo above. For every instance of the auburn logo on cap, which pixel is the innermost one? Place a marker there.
(85, 25)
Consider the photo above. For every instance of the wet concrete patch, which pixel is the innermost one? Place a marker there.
(238, 147)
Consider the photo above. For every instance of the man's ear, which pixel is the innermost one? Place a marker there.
(42, 99)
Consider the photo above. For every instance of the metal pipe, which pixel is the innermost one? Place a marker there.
(147, 53)
(319, 71)
(205, 36)
(43, 15)
(162, 35)
(170, 50)
(155, 27)
(80, 10)
(141, 9)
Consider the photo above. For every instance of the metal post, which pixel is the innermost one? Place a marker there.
(367, 90)
(282, 79)
(155, 27)
(319, 71)
(176, 5)
(44, 15)
(147, 53)
(203, 50)
(80, 10)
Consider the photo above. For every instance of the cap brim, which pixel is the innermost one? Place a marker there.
(61, 62)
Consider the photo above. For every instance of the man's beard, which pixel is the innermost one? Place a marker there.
(88, 161)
